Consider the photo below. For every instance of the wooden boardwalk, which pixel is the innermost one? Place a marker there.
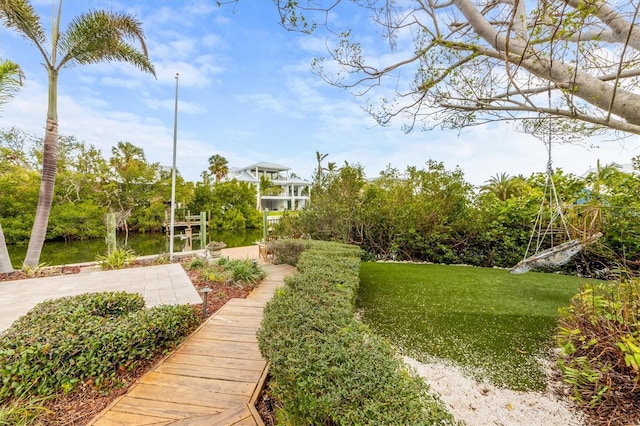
(213, 378)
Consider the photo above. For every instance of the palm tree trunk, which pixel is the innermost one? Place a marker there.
(48, 179)
(5, 261)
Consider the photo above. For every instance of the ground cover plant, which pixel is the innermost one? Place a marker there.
(326, 366)
(491, 323)
(86, 342)
(84, 398)
(599, 337)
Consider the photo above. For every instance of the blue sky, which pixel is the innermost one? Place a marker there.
(246, 91)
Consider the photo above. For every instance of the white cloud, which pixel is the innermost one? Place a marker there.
(271, 103)
(120, 82)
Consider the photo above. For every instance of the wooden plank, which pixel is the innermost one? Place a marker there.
(211, 377)
(231, 417)
(232, 328)
(223, 325)
(232, 375)
(242, 310)
(229, 350)
(164, 409)
(114, 418)
(249, 421)
(214, 334)
(246, 302)
(186, 396)
(199, 384)
(241, 320)
(212, 361)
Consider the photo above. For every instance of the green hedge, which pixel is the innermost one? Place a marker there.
(328, 368)
(89, 338)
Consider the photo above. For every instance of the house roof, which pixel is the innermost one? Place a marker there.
(245, 177)
(267, 166)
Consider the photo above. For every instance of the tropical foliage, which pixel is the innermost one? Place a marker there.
(434, 215)
(93, 37)
(10, 80)
(218, 166)
(90, 185)
(600, 350)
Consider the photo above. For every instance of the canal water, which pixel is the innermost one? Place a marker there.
(61, 253)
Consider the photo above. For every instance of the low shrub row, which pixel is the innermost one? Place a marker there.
(328, 368)
(599, 338)
(86, 339)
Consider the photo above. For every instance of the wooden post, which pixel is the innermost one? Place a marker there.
(111, 233)
(203, 230)
(264, 226)
(187, 241)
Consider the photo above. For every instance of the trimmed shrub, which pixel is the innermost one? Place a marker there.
(89, 338)
(287, 251)
(599, 337)
(328, 368)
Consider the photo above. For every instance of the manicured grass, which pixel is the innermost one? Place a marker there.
(491, 323)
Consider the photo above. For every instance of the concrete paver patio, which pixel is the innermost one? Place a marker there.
(162, 284)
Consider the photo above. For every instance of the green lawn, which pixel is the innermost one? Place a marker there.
(490, 322)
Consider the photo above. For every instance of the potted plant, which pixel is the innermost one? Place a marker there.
(214, 248)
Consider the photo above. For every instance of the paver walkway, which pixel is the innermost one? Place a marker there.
(212, 378)
(162, 284)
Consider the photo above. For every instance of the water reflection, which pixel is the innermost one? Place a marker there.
(61, 253)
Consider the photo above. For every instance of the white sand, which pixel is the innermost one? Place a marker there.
(480, 404)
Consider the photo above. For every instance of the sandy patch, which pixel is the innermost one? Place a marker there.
(480, 404)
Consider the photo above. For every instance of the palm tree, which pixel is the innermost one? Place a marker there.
(265, 187)
(218, 166)
(10, 81)
(92, 37)
(319, 158)
(503, 186)
(127, 159)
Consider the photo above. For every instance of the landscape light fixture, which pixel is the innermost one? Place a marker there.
(205, 291)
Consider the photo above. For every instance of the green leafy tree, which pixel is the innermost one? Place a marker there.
(135, 183)
(18, 183)
(92, 37)
(334, 213)
(233, 206)
(474, 62)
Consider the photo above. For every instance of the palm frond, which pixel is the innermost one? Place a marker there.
(10, 79)
(20, 15)
(103, 36)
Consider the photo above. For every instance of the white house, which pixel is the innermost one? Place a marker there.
(294, 192)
